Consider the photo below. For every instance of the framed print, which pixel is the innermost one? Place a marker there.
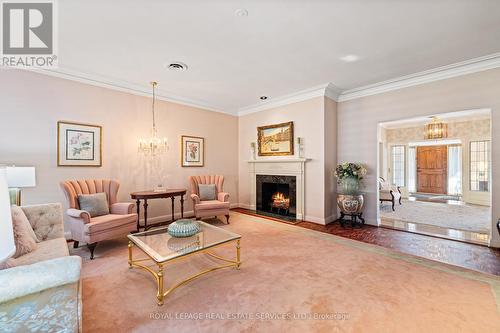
(193, 151)
(79, 144)
(275, 140)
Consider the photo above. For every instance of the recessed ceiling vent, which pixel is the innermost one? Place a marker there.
(177, 66)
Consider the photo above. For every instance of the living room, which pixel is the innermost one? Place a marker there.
(215, 166)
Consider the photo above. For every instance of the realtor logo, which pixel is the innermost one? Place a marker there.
(28, 31)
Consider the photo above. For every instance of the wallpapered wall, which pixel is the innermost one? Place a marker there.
(465, 131)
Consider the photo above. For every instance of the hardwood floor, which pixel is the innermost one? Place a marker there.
(471, 256)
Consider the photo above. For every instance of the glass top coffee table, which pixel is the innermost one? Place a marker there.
(161, 248)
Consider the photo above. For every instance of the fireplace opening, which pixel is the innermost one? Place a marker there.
(276, 196)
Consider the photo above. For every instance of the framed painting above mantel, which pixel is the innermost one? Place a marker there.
(79, 144)
(275, 140)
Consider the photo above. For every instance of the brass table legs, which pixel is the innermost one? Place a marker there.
(159, 275)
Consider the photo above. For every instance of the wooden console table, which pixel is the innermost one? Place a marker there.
(147, 195)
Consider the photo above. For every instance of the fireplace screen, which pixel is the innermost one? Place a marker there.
(276, 195)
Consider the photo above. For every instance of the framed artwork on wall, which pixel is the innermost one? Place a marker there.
(275, 140)
(79, 144)
(192, 151)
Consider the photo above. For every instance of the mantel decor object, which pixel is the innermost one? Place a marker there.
(183, 228)
(350, 201)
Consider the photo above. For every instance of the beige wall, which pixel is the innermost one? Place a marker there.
(31, 105)
(309, 123)
(358, 121)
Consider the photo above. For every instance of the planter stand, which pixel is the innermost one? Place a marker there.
(354, 219)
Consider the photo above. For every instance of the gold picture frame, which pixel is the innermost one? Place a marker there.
(275, 140)
(192, 151)
(78, 144)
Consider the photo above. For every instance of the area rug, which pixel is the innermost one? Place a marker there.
(461, 217)
(292, 280)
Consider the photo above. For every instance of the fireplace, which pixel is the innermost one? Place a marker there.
(276, 196)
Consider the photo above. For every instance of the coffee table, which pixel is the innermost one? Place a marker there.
(161, 248)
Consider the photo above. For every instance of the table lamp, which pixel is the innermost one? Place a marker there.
(7, 245)
(19, 177)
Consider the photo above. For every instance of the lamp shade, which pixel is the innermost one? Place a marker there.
(21, 176)
(7, 245)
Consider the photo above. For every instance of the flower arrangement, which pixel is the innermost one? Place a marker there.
(354, 170)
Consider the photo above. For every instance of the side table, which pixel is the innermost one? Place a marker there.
(149, 195)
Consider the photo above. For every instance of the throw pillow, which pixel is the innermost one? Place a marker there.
(95, 204)
(24, 236)
(207, 192)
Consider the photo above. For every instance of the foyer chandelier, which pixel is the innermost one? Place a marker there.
(153, 145)
(436, 129)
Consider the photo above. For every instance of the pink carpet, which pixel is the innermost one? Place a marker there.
(292, 280)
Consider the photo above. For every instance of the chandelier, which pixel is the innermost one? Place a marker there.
(153, 145)
(436, 129)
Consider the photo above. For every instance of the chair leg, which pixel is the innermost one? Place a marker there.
(400, 200)
(92, 248)
(227, 219)
(393, 202)
(75, 244)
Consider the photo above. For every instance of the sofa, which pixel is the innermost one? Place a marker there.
(41, 290)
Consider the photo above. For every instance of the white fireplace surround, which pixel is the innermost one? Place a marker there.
(279, 167)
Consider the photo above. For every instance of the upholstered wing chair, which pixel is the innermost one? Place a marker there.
(388, 192)
(204, 208)
(92, 230)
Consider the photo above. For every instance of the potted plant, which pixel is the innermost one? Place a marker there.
(350, 200)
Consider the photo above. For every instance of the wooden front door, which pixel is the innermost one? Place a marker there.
(432, 169)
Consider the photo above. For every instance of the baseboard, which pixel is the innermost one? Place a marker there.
(317, 220)
(243, 205)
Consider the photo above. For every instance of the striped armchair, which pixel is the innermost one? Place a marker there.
(204, 208)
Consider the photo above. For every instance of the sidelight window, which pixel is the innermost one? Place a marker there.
(398, 165)
(480, 166)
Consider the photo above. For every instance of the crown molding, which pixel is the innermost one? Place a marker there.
(327, 89)
(440, 73)
(127, 87)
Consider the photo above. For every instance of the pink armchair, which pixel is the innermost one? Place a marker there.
(91, 230)
(220, 206)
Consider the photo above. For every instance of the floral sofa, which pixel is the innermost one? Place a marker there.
(41, 291)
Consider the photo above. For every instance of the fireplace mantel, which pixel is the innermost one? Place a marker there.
(281, 167)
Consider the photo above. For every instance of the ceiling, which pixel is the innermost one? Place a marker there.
(281, 47)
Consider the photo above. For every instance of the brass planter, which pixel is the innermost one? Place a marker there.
(350, 204)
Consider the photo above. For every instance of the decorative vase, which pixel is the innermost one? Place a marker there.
(350, 185)
(183, 228)
(350, 204)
